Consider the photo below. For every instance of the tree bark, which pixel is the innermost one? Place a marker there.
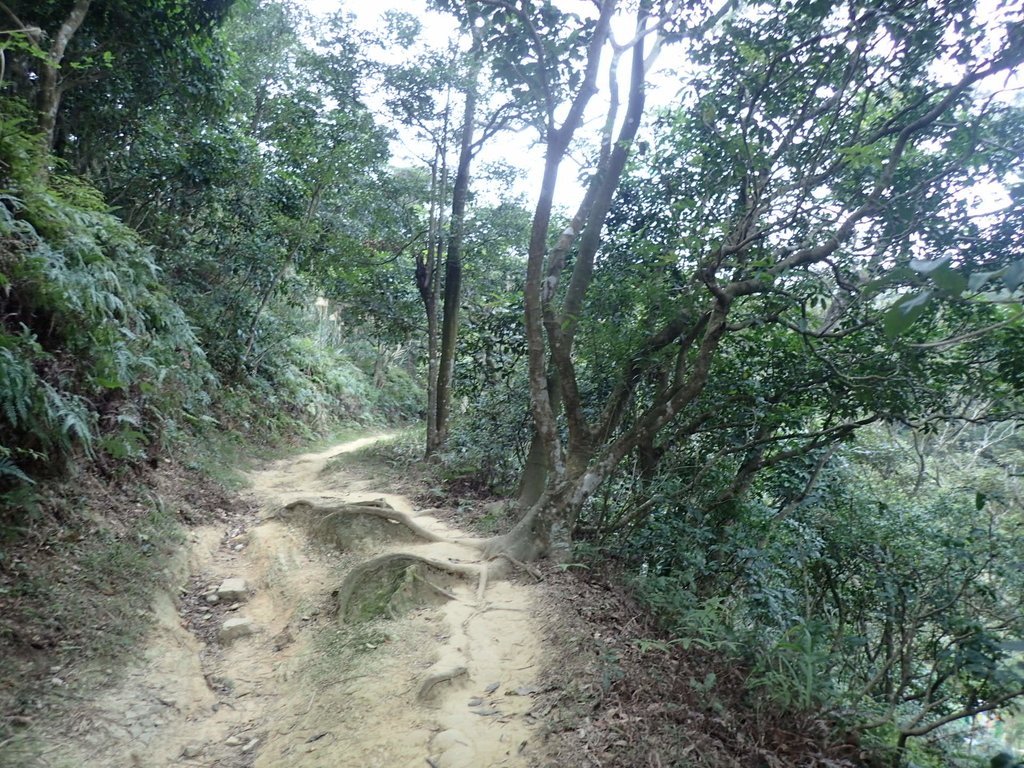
(51, 89)
(560, 500)
(427, 281)
(453, 264)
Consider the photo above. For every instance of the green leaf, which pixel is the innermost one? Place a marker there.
(895, 277)
(940, 273)
(904, 312)
(1014, 276)
(979, 500)
(979, 279)
(949, 281)
(9, 469)
(927, 266)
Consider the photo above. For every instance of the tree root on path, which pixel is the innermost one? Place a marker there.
(346, 526)
(393, 584)
(443, 676)
(519, 564)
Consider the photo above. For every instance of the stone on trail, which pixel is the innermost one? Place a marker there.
(232, 629)
(192, 750)
(233, 589)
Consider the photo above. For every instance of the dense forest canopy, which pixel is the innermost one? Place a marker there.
(771, 361)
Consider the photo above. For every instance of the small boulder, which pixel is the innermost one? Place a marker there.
(232, 590)
(232, 629)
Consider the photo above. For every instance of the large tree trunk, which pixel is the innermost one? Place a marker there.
(534, 477)
(567, 483)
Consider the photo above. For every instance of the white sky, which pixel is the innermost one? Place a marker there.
(517, 149)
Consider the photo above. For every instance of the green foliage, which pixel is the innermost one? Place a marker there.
(126, 58)
(95, 358)
(890, 594)
(114, 344)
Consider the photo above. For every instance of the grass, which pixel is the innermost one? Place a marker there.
(338, 650)
(76, 598)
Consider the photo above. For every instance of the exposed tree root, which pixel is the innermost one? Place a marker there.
(442, 676)
(346, 526)
(393, 584)
(519, 564)
(515, 547)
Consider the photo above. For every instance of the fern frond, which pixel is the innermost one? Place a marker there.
(9, 469)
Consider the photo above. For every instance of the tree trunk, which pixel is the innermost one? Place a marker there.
(428, 280)
(546, 524)
(545, 530)
(380, 366)
(535, 474)
(453, 266)
(535, 471)
(50, 87)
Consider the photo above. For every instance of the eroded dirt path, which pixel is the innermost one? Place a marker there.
(379, 640)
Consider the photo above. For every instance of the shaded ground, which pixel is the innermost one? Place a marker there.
(615, 699)
(447, 682)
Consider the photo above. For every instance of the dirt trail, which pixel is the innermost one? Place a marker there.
(444, 679)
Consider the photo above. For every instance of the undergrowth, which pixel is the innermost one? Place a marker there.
(75, 595)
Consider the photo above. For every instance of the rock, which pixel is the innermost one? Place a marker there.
(232, 629)
(251, 745)
(233, 741)
(192, 750)
(233, 589)
(212, 598)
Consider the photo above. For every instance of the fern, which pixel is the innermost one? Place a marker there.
(103, 323)
(8, 469)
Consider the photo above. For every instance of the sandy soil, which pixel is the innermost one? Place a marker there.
(307, 689)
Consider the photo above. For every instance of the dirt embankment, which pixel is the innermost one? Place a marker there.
(365, 634)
